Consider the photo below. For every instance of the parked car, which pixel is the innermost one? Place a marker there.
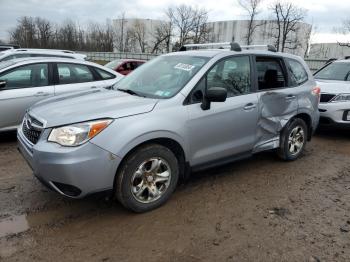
(4, 47)
(24, 82)
(179, 112)
(334, 80)
(26, 53)
(124, 66)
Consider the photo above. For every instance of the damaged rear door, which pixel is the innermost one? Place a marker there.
(277, 102)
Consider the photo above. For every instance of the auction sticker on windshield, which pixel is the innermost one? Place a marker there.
(185, 67)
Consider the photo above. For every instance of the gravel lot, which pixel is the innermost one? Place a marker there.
(259, 209)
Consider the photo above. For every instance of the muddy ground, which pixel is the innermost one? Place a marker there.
(260, 209)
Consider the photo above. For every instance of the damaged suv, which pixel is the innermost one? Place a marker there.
(180, 112)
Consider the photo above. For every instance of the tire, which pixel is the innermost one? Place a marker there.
(136, 186)
(289, 142)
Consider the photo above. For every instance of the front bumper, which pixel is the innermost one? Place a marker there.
(335, 113)
(71, 171)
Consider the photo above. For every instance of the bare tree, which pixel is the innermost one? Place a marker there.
(138, 31)
(201, 31)
(189, 24)
(182, 19)
(25, 32)
(44, 31)
(162, 37)
(252, 8)
(120, 33)
(345, 29)
(346, 26)
(310, 34)
(288, 18)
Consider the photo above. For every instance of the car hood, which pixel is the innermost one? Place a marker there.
(333, 86)
(89, 105)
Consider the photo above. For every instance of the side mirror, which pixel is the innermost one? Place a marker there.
(2, 84)
(214, 94)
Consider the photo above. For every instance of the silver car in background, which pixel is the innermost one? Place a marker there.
(177, 113)
(33, 52)
(334, 81)
(23, 82)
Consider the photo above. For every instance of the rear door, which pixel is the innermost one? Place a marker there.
(227, 128)
(71, 77)
(25, 85)
(278, 102)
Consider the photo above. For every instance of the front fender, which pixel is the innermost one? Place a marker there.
(124, 134)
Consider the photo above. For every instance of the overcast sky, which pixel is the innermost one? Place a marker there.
(325, 14)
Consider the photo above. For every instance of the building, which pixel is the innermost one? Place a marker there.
(265, 33)
(329, 50)
(135, 34)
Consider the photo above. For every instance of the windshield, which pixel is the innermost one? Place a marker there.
(335, 71)
(113, 64)
(162, 77)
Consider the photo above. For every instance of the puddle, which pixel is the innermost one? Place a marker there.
(13, 225)
(17, 224)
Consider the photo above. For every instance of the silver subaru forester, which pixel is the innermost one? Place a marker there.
(177, 113)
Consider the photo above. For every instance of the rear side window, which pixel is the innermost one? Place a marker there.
(270, 73)
(73, 73)
(297, 72)
(104, 74)
(34, 75)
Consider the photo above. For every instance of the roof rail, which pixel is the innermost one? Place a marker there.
(45, 50)
(233, 46)
(270, 48)
(208, 45)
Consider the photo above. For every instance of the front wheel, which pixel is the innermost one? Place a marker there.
(293, 140)
(147, 178)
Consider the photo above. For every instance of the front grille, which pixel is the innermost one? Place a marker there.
(325, 98)
(30, 129)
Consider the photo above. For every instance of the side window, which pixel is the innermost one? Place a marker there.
(270, 73)
(233, 74)
(297, 72)
(104, 74)
(73, 73)
(34, 75)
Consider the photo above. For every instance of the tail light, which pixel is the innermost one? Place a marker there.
(316, 91)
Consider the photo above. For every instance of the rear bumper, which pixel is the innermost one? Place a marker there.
(71, 171)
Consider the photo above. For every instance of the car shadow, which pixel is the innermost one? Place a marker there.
(333, 132)
(10, 136)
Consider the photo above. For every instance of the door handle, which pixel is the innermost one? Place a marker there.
(249, 106)
(94, 87)
(290, 97)
(42, 93)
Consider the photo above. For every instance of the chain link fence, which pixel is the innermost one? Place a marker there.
(314, 64)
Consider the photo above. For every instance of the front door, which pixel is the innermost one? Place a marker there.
(227, 128)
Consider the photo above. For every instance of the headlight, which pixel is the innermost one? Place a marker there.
(77, 134)
(342, 98)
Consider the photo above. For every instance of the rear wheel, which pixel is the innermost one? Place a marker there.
(293, 140)
(147, 178)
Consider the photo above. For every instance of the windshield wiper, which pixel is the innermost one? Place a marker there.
(130, 92)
